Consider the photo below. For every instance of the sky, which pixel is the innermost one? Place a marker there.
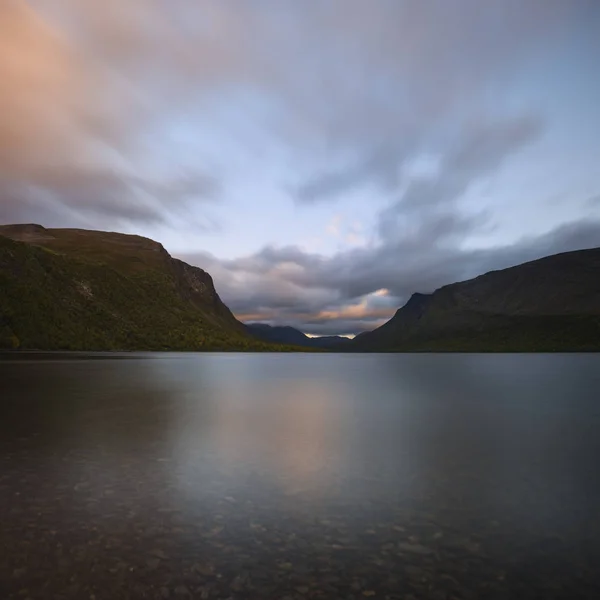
(323, 159)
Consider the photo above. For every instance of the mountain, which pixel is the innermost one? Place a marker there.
(332, 342)
(73, 289)
(280, 335)
(551, 304)
(289, 335)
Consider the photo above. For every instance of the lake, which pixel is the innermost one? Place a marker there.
(288, 476)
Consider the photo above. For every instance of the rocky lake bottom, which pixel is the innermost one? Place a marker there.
(300, 476)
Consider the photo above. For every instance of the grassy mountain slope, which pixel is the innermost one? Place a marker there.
(551, 304)
(69, 289)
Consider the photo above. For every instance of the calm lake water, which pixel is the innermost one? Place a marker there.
(282, 476)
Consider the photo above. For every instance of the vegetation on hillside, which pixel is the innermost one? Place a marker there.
(125, 295)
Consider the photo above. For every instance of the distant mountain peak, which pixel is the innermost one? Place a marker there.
(285, 334)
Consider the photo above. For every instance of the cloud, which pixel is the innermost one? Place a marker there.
(427, 211)
(333, 228)
(355, 239)
(413, 70)
(97, 197)
(82, 86)
(347, 319)
(342, 294)
(363, 86)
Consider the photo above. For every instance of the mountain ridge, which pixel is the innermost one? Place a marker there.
(75, 289)
(548, 304)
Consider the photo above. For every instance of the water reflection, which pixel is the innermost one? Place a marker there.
(292, 428)
(338, 474)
